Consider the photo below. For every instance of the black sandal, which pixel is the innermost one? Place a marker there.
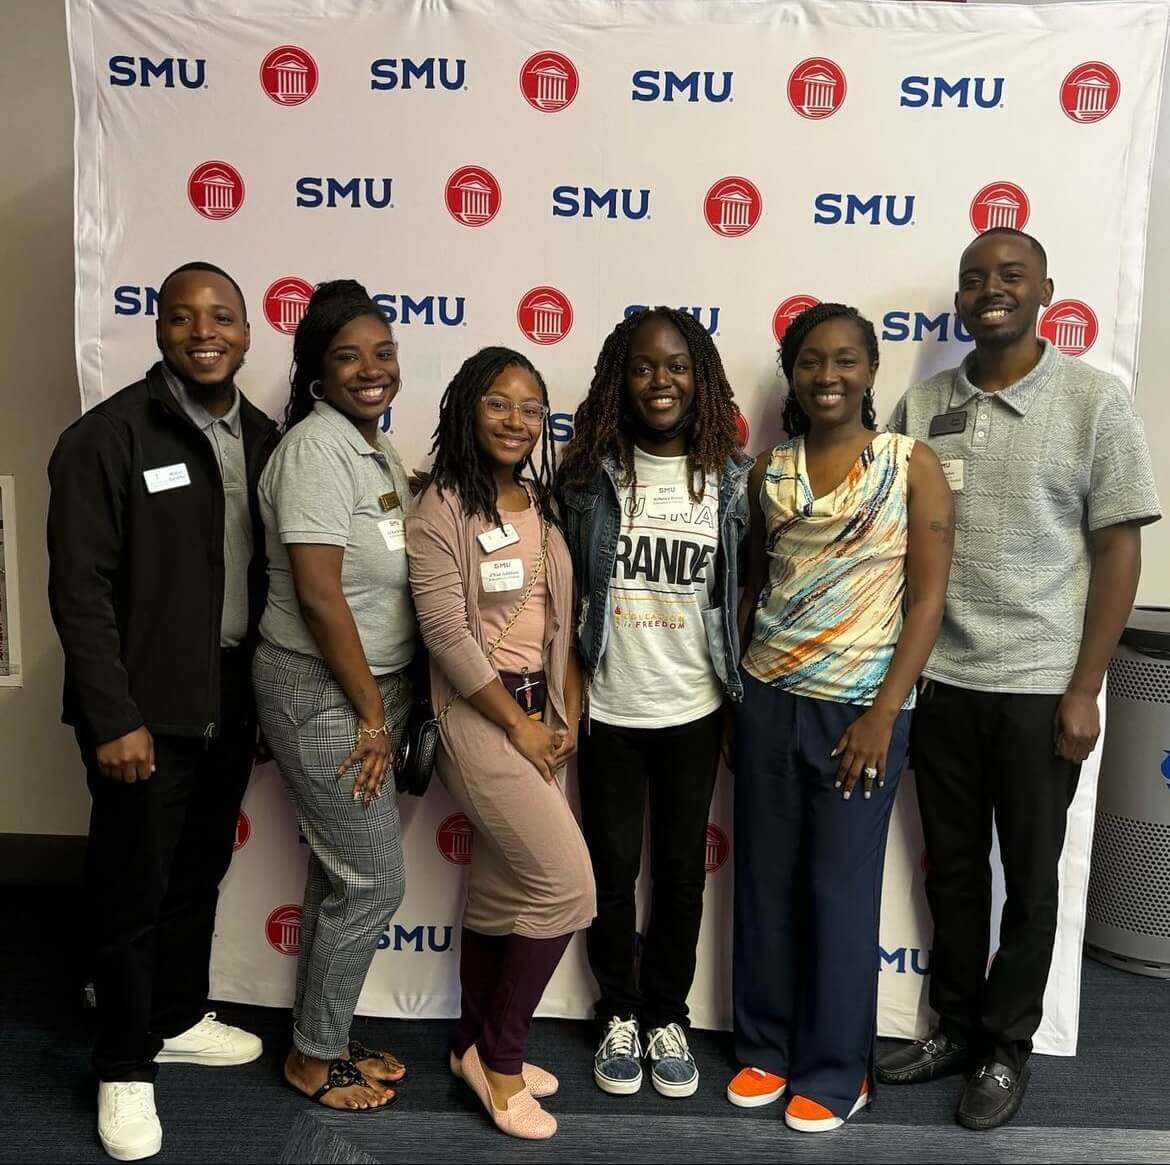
(359, 1051)
(342, 1074)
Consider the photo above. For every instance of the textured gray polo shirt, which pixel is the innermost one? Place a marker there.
(227, 443)
(324, 484)
(1036, 468)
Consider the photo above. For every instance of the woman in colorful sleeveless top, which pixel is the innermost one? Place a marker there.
(850, 551)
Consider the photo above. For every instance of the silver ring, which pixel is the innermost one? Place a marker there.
(870, 773)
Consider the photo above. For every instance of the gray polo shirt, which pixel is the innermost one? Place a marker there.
(1035, 469)
(325, 485)
(227, 442)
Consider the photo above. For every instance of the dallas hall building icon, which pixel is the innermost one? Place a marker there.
(292, 79)
(552, 84)
(819, 90)
(218, 189)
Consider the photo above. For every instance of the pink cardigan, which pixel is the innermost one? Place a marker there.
(444, 559)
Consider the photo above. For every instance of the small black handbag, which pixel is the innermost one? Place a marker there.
(414, 758)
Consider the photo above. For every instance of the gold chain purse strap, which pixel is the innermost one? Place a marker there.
(537, 571)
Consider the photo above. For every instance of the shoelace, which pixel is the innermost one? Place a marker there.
(131, 1103)
(210, 1027)
(622, 1039)
(668, 1043)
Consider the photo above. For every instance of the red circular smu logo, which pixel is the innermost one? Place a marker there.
(215, 190)
(718, 847)
(243, 831)
(545, 315)
(788, 311)
(1090, 92)
(454, 837)
(288, 75)
(283, 929)
(286, 301)
(1001, 204)
(549, 82)
(816, 88)
(473, 196)
(743, 430)
(1070, 325)
(732, 207)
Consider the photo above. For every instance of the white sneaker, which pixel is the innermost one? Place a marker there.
(127, 1122)
(211, 1042)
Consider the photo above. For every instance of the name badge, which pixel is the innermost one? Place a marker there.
(497, 539)
(166, 477)
(669, 497)
(953, 472)
(946, 424)
(389, 501)
(393, 533)
(505, 574)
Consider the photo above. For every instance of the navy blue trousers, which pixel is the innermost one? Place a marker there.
(808, 891)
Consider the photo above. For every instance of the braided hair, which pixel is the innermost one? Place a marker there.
(598, 426)
(333, 305)
(460, 465)
(795, 419)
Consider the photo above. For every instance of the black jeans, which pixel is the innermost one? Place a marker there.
(158, 850)
(677, 766)
(979, 755)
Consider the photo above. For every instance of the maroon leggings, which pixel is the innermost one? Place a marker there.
(502, 978)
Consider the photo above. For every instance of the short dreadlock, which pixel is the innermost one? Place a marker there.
(598, 427)
(459, 463)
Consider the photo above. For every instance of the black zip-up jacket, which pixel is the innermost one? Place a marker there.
(136, 579)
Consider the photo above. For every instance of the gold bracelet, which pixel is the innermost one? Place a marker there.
(374, 733)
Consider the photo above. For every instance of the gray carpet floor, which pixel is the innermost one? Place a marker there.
(1108, 1104)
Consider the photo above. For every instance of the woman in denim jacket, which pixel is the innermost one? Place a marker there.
(653, 493)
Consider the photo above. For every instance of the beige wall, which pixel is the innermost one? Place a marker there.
(42, 787)
(42, 784)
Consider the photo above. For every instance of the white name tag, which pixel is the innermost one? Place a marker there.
(393, 533)
(497, 539)
(506, 574)
(953, 472)
(669, 497)
(166, 477)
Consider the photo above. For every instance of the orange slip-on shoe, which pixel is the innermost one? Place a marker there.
(753, 1087)
(806, 1116)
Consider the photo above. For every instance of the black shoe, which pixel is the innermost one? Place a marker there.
(993, 1096)
(928, 1059)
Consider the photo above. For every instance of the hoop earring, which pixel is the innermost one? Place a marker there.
(312, 384)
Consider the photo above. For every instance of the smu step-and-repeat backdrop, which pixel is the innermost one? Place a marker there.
(526, 172)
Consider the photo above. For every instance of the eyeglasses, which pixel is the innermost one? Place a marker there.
(499, 408)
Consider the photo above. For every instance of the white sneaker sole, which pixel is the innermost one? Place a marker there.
(617, 1087)
(825, 1124)
(756, 1101)
(135, 1153)
(666, 1088)
(209, 1059)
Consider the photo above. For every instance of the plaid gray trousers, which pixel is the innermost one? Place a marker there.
(356, 878)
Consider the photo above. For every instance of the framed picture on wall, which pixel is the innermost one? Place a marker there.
(10, 676)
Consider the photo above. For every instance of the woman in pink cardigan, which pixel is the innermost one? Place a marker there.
(493, 588)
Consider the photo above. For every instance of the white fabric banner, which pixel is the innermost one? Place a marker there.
(527, 171)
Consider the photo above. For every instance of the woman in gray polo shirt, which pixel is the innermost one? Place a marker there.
(330, 675)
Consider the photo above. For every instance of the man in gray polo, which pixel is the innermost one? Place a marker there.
(1052, 483)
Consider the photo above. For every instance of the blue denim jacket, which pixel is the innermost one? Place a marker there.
(592, 520)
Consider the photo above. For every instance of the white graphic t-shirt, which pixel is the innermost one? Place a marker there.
(656, 671)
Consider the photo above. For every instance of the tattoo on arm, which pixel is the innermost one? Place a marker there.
(946, 530)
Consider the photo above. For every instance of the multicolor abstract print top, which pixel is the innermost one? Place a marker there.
(829, 616)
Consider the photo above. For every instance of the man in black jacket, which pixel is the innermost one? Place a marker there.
(157, 583)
